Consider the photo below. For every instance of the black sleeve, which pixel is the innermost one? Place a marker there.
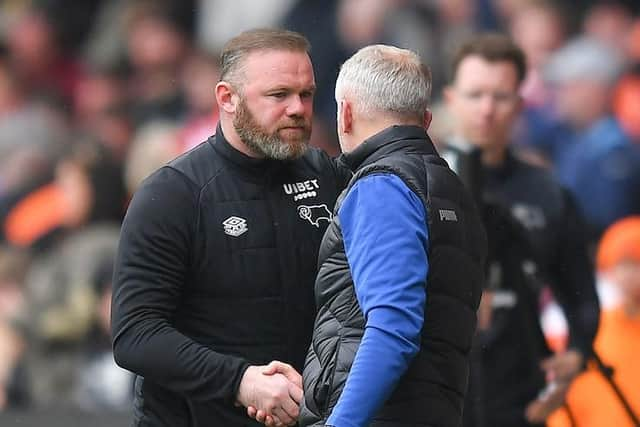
(573, 283)
(150, 269)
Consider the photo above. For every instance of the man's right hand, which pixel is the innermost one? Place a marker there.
(271, 393)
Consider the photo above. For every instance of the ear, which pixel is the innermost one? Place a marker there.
(345, 119)
(226, 97)
(427, 119)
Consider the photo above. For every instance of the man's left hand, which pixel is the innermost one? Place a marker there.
(563, 367)
(551, 398)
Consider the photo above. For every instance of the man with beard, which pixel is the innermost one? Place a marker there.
(217, 258)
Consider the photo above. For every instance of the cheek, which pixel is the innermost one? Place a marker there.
(265, 113)
(506, 116)
(462, 113)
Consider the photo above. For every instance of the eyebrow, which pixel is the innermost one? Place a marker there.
(311, 88)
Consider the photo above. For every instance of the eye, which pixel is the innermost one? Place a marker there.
(505, 97)
(278, 95)
(306, 94)
(473, 95)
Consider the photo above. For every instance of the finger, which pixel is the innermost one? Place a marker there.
(283, 415)
(261, 416)
(295, 378)
(272, 420)
(252, 412)
(292, 409)
(284, 369)
(291, 374)
(296, 393)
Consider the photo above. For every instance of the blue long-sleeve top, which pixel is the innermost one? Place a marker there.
(385, 239)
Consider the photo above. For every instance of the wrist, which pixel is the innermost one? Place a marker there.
(241, 384)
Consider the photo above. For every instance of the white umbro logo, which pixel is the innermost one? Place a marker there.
(235, 226)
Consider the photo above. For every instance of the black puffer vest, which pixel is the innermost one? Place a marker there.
(431, 391)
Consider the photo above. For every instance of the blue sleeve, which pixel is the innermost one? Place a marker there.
(385, 238)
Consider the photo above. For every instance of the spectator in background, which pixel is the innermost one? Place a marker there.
(484, 101)
(626, 99)
(538, 28)
(591, 400)
(596, 160)
(157, 45)
(85, 188)
(610, 22)
(153, 145)
(47, 69)
(62, 319)
(100, 384)
(219, 20)
(31, 133)
(201, 118)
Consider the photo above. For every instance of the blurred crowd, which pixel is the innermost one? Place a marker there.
(96, 94)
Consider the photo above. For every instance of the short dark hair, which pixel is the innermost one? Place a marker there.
(492, 47)
(238, 48)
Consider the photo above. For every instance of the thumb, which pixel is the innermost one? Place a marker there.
(288, 371)
(279, 367)
(272, 368)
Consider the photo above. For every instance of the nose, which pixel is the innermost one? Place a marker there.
(487, 105)
(296, 106)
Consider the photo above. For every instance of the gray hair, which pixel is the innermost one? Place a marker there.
(385, 79)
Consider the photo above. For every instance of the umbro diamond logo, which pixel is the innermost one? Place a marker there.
(235, 226)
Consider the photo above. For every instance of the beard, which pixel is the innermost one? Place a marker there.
(271, 145)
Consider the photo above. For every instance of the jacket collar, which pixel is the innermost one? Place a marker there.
(503, 170)
(389, 140)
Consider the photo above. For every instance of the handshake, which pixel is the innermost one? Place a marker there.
(271, 393)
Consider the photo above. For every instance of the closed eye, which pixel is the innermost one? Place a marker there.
(306, 94)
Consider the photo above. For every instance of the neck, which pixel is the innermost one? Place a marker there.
(234, 140)
(493, 156)
(369, 128)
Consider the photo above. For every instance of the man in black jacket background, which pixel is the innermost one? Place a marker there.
(214, 273)
(512, 363)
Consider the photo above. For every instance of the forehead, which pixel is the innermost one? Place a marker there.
(476, 71)
(274, 68)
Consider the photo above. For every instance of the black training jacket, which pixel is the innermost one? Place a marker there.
(214, 272)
